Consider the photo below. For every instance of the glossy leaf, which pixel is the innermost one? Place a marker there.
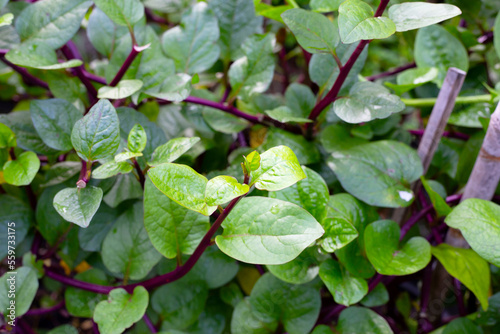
(356, 22)
(124, 156)
(6, 19)
(14, 210)
(172, 229)
(111, 168)
(78, 205)
(53, 120)
(284, 114)
(22, 171)
(174, 88)
(440, 205)
(137, 139)
(39, 56)
(388, 256)
(415, 15)
(26, 286)
(384, 171)
(462, 325)
(81, 303)
(324, 6)
(274, 234)
(300, 270)
(362, 320)
(252, 161)
(222, 189)
(279, 168)
(376, 297)
(123, 89)
(193, 45)
(121, 310)
(479, 222)
(7, 137)
(413, 78)
(313, 31)
(345, 288)
(97, 135)
(172, 150)
(468, 267)
(122, 12)
(306, 151)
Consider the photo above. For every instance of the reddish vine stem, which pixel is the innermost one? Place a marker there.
(149, 323)
(140, 173)
(70, 51)
(44, 311)
(125, 66)
(391, 72)
(27, 76)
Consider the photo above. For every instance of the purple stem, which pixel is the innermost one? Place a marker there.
(155, 18)
(460, 299)
(221, 106)
(375, 281)
(44, 311)
(95, 78)
(70, 51)
(125, 66)
(28, 77)
(449, 134)
(391, 72)
(149, 323)
(95, 328)
(487, 37)
(25, 328)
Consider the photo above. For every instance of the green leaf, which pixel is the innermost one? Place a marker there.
(64, 329)
(52, 23)
(496, 37)
(306, 151)
(384, 171)
(322, 329)
(14, 210)
(300, 270)
(367, 101)
(362, 320)
(271, 12)
(237, 21)
(103, 33)
(300, 99)
(175, 88)
(121, 310)
(124, 188)
(172, 229)
(284, 114)
(472, 116)
(222, 189)
(22, 171)
(356, 22)
(479, 222)
(172, 150)
(440, 205)
(279, 169)
(193, 44)
(415, 15)
(6, 19)
(124, 156)
(337, 137)
(81, 303)
(252, 161)
(122, 12)
(377, 297)
(78, 205)
(126, 250)
(325, 6)
(310, 193)
(275, 233)
(53, 120)
(137, 139)
(468, 267)
(97, 135)
(345, 288)
(111, 168)
(388, 257)
(123, 89)
(7, 137)
(223, 122)
(413, 78)
(26, 286)
(39, 56)
(429, 53)
(314, 32)
(183, 185)
(462, 325)
(253, 72)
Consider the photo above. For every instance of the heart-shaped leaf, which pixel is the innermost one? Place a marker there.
(78, 205)
(22, 171)
(300, 270)
(222, 189)
(414, 15)
(388, 257)
(362, 320)
(172, 150)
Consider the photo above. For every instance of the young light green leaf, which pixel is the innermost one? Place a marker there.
(440, 205)
(7, 137)
(479, 222)
(362, 320)
(172, 229)
(345, 288)
(275, 233)
(314, 31)
(26, 285)
(125, 88)
(137, 139)
(384, 171)
(172, 150)
(415, 15)
(367, 101)
(431, 39)
(413, 78)
(222, 189)
(6, 19)
(122, 12)
(126, 250)
(53, 120)
(124, 156)
(387, 256)
(325, 6)
(310, 193)
(284, 114)
(175, 88)
(279, 168)
(111, 168)
(183, 185)
(22, 171)
(121, 310)
(356, 22)
(39, 56)
(300, 270)
(272, 12)
(78, 205)
(468, 267)
(306, 151)
(52, 22)
(97, 135)
(252, 161)
(193, 44)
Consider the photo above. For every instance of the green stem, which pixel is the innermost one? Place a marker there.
(292, 3)
(429, 102)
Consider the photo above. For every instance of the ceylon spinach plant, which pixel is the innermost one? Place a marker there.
(230, 166)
